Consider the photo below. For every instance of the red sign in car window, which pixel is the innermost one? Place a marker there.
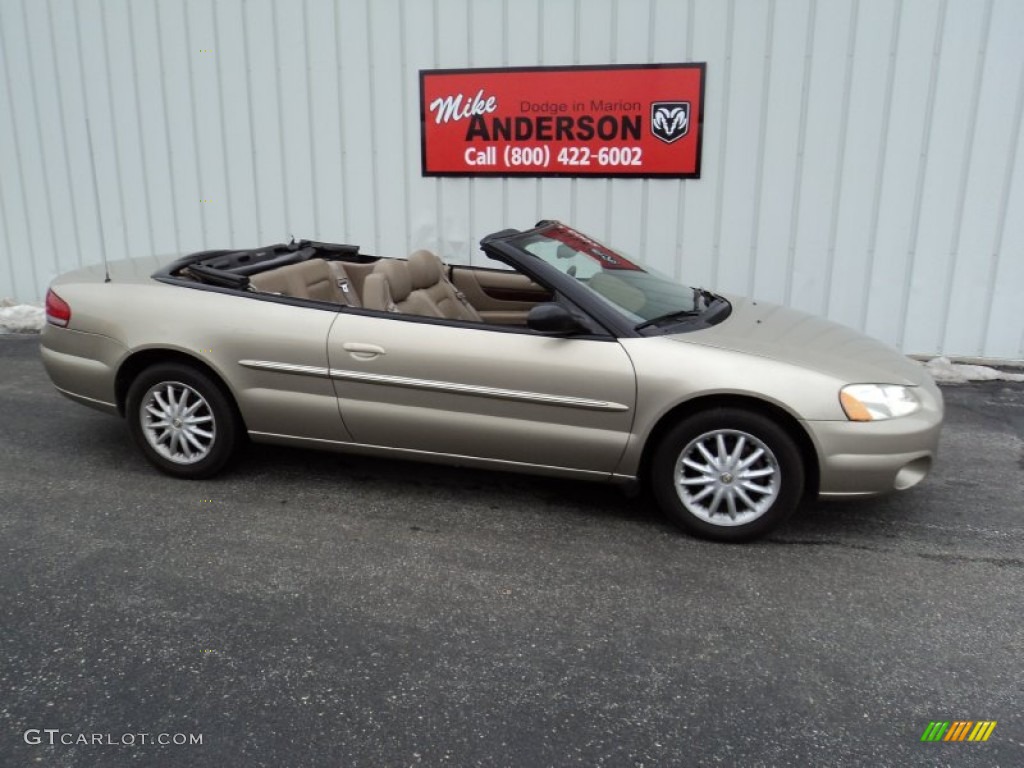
(583, 244)
(642, 121)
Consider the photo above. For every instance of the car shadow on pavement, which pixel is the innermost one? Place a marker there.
(276, 464)
(279, 470)
(825, 522)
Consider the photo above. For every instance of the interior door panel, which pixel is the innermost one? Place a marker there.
(499, 296)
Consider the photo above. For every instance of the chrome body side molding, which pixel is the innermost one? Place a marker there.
(436, 386)
(303, 370)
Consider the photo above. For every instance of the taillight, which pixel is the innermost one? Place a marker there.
(58, 311)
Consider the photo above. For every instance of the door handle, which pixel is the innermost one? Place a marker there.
(363, 351)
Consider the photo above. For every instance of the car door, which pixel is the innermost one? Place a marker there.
(513, 396)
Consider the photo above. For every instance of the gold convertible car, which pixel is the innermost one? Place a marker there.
(567, 358)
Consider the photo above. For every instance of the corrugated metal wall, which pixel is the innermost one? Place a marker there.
(862, 159)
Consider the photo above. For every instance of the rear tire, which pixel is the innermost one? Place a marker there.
(727, 474)
(182, 421)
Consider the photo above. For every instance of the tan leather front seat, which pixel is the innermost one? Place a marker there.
(416, 287)
(427, 273)
(389, 287)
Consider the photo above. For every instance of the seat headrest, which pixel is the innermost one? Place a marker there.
(397, 274)
(425, 269)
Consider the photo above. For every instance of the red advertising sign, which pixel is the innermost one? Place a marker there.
(636, 120)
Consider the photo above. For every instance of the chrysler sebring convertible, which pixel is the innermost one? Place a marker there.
(564, 358)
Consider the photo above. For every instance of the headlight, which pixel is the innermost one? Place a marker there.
(874, 402)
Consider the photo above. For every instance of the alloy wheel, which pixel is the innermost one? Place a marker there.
(727, 477)
(177, 422)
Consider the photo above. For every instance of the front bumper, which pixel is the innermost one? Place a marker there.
(82, 366)
(872, 458)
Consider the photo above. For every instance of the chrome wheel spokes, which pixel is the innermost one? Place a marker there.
(178, 422)
(727, 477)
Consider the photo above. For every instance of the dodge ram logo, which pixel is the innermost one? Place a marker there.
(670, 120)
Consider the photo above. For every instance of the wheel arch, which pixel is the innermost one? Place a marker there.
(779, 415)
(140, 360)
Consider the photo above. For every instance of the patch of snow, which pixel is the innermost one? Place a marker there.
(944, 371)
(20, 318)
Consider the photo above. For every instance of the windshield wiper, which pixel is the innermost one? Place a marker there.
(703, 293)
(682, 313)
(699, 295)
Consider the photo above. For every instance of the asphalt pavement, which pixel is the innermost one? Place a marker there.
(312, 609)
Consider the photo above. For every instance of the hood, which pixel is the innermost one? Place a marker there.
(769, 330)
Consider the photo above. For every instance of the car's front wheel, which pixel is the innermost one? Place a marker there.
(182, 421)
(727, 474)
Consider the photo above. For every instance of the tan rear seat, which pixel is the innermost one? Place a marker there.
(315, 279)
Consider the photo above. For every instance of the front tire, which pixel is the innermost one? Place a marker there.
(182, 421)
(727, 474)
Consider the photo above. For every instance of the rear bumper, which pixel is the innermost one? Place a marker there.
(82, 366)
(868, 459)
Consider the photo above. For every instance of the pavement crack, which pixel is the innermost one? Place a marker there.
(1001, 562)
(825, 543)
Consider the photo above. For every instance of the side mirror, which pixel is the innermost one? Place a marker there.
(553, 318)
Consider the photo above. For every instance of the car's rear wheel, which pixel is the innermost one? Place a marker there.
(727, 474)
(182, 421)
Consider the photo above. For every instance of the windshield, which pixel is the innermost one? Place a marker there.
(635, 290)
